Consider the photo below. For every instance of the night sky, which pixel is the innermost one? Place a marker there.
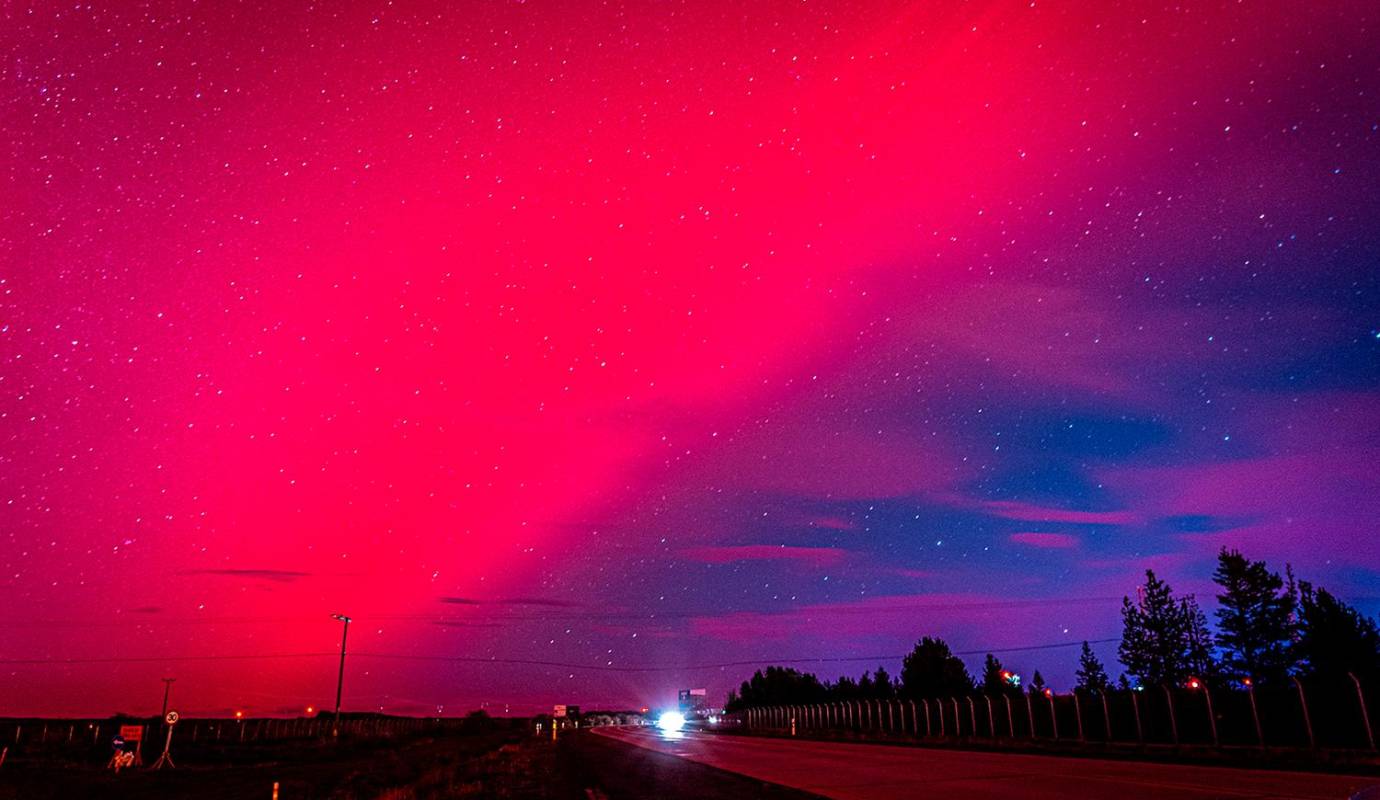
(664, 336)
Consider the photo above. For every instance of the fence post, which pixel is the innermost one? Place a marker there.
(1135, 709)
(1255, 713)
(1307, 720)
(926, 703)
(1053, 717)
(1173, 723)
(1106, 713)
(939, 704)
(972, 714)
(1365, 715)
(958, 723)
(1212, 716)
(891, 714)
(1030, 714)
(991, 721)
(1010, 720)
(1078, 715)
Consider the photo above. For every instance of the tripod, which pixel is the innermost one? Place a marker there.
(165, 758)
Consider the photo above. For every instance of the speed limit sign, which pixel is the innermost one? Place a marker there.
(171, 718)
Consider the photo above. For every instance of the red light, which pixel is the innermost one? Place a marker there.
(1194, 684)
(1049, 693)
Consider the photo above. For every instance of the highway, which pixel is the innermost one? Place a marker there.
(881, 772)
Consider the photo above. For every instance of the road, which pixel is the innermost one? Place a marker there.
(879, 772)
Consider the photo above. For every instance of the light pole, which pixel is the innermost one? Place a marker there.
(167, 687)
(340, 679)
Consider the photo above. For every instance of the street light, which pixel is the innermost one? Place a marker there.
(340, 679)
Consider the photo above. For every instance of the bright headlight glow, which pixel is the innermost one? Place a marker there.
(671, 722)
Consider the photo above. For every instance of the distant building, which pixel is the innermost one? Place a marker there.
(694, 702)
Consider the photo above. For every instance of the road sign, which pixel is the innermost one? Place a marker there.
(558, 712)
(171, 718)
(132, 733)
(118, 743)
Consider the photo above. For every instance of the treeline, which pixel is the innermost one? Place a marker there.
(1270, 628)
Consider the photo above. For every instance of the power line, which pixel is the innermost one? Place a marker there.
(475, 613)
(532, 662)
(158, 659)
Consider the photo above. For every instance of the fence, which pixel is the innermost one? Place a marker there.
(81, 739)
(1333, 715)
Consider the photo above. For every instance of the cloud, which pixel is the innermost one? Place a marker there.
(1046, 541)
(833, 523)
(275, 575)
(537, 601)
(812, 556)
(958, 617)
(509, 601)
(1028, 512)
(457, 623)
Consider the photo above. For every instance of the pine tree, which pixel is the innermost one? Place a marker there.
(882, 685)
(1091, 674)
(1198, 645)
(993, 682)
(932, 670)
(1164, 639)
(1255, 619)
(1037, 683)
(1335, 638)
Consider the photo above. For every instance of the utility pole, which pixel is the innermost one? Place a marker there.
(340, 679)
(167, 688)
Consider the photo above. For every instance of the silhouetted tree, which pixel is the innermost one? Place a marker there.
(845, 689)
(1091, 674)
(1198, 654)
(995, 678)
(932, 670)
(1037, 683)
(1164, 639)
(993, 682)
(1335, 638)
(1255, 619)
(477, 721)
(882, 686)
(778, 686)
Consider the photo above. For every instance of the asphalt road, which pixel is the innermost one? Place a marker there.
(879, 772)
(599, 768)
